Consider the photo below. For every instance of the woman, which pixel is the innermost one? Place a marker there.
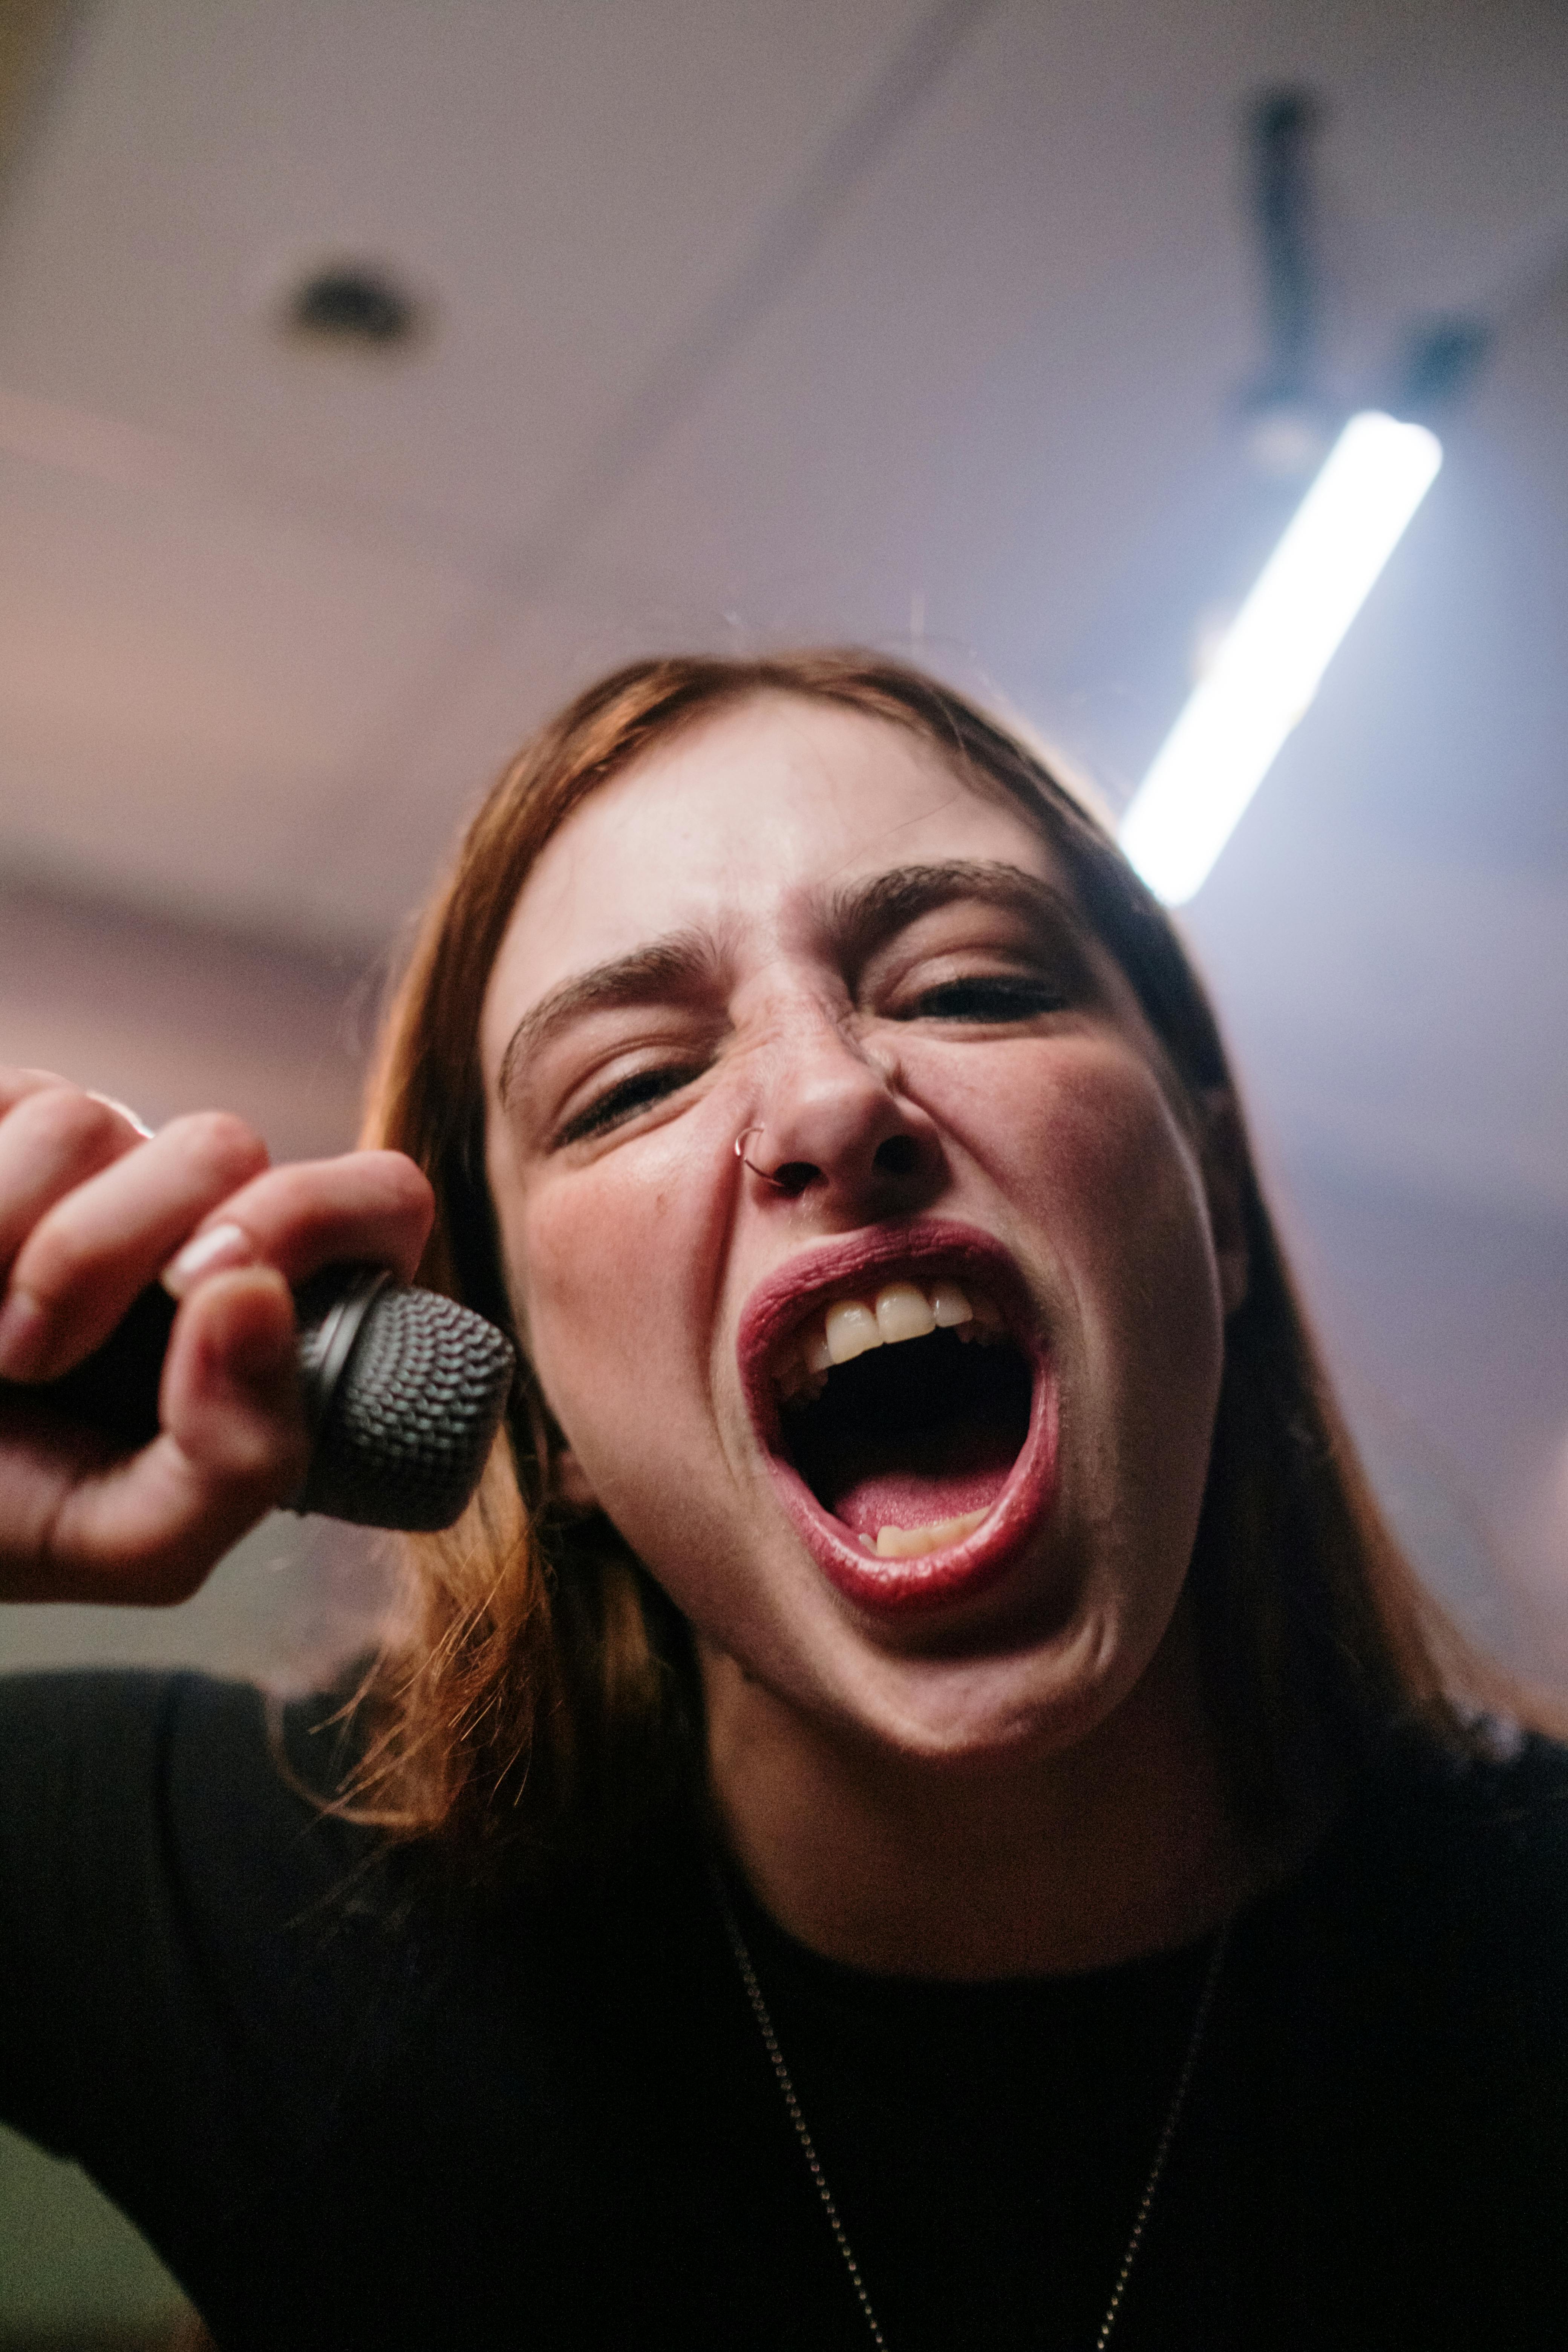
(920, 1805)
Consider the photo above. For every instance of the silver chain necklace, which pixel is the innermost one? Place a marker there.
(813, 2162)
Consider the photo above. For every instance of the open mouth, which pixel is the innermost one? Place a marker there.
(907, 1411)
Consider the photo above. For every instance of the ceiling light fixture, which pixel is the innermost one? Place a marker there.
(1273, 654)
(356, 305)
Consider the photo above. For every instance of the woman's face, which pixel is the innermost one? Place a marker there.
(915, 1434)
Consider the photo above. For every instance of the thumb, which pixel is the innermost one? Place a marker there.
(230, 1396)
(234, 1443)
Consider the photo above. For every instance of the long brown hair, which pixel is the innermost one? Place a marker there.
(536, 1686)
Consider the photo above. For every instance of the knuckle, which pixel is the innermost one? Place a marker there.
(17, 1079)
(394, 1181)
(298, 1189)
(264, 1461)
(409, 1188)
(56, 1261)
(324, 1197)
(223, 1143)
(68, 1124)
(283, 1200)
(251, 1459)
(389, 1188)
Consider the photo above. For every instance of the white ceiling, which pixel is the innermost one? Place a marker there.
(751, 319)
(921, 324)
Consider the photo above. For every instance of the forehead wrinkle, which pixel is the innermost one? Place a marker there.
(680, 965)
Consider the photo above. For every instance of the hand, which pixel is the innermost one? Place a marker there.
(91, 1211)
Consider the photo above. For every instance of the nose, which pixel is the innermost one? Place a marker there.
(835, 1124)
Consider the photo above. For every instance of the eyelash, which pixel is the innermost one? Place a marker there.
(991, 998)
(995, 996)
(625, 1099)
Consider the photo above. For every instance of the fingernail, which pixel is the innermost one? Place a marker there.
(21, 1320)
(213, 1252)
(113, 1102)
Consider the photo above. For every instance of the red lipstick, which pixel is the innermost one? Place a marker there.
(855, 1268)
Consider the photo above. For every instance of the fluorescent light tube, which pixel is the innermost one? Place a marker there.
(1276, 650)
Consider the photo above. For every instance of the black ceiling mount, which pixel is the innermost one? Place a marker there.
(1441, 360)
(1283, 129)
(356, 306)
(1289, 402)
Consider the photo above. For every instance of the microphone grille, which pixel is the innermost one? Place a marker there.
(410, 1421)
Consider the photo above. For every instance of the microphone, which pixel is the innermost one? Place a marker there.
(404, 1391)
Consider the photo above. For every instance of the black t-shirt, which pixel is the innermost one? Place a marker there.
(350, 2109)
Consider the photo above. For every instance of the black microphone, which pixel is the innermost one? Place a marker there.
(404, 1391)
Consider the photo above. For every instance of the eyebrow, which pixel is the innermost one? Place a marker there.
(865, 913)
(862, 915)
(682, 964)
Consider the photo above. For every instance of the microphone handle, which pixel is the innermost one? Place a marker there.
(404, 1391)
(116, 1387)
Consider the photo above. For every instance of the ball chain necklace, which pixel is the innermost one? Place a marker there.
(814, 2163)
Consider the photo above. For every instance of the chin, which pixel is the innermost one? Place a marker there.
(994, 1701)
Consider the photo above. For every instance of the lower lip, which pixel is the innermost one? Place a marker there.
(958, 1571)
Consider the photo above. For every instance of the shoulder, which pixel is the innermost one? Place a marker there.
(1443, 1888)
(1501, 1811)
(227, 1739)
(1398, 2019)
(184, 1927)
(104, 1743)
(135, 1792)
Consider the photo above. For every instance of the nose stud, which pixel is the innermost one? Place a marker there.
(740, 1141)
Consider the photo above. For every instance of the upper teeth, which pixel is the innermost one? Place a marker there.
(846, 1328)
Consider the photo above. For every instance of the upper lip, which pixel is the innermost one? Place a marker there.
(844, 1268)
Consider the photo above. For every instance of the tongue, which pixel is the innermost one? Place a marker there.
(965, 1470)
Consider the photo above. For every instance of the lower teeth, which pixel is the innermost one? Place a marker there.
(909, 1543)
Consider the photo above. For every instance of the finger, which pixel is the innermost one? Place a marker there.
(369, 1207)
(131, 1119)
(17, 1081)
(149, 1528)
(85, 1260)
(54, 1138)
(230, 1397)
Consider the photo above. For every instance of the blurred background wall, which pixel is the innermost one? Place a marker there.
(374, 371)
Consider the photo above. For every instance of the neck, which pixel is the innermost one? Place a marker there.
(1123, 1846)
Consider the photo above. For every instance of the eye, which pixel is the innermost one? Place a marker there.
(625, 1099)
(986, 997)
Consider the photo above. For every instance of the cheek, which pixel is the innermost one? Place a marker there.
(1090, 1151)
(1132, 1200)
(1105, 1176)
(614, 1274)
(589, 1290)
(607, 1265)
